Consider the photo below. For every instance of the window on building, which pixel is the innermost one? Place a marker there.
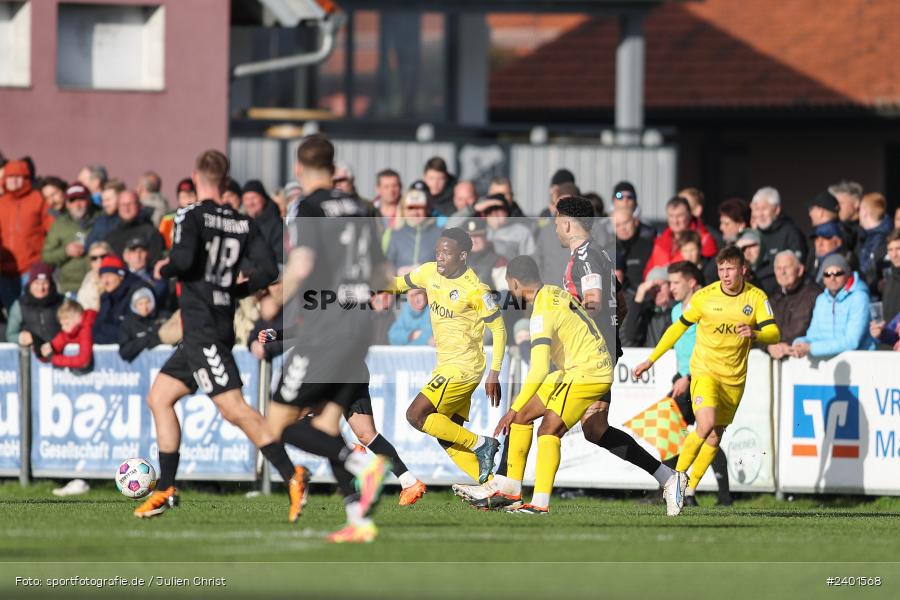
(111, 47)
(397, 67)
(15, 44)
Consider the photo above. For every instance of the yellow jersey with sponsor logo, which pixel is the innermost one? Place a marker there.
(576, 344)
(459, 309)
(720, 352)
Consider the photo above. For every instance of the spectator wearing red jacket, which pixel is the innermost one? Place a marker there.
(77, 327)
(665, 251)
(24, 223)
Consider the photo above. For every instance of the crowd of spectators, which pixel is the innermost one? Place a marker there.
(76, 258)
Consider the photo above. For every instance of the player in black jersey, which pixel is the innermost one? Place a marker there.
(335, 264)
(590, 276)
(217, 257)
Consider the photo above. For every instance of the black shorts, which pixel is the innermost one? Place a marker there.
(362, 405)
(209, 367)
(307, 380)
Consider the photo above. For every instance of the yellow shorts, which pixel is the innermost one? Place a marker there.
(450, 390)
(707, 392)
(569, 395)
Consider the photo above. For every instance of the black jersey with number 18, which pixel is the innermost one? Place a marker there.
(211, 245)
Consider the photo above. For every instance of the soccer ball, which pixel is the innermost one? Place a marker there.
(135, 478)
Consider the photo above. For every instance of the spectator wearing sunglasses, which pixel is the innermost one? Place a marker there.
(90, 290)
(624, 194)
(840, 319)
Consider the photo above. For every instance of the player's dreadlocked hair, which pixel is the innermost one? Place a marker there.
(578, 208)
(459, 236)
(524, 269)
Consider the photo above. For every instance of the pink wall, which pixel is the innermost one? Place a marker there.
(129, 132)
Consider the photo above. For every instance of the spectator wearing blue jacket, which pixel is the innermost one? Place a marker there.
(840, 319)
(413, 326)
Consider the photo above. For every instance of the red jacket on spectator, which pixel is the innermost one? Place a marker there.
(83, 335)
(664, 250)
(24, 223)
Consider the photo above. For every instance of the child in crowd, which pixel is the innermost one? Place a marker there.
(139, 331)
(77, 327)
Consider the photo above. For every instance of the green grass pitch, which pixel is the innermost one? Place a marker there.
(441, 548)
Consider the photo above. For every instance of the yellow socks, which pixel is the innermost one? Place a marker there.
(689, 451)
(547, 465)
(519, 444)
(704, 459)
(443, 428)
(465, 459)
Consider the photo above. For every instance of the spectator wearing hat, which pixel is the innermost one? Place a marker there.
(792, 302)
(840, 319)
(510, 237)
(264, 212)
(874, 227)
(413, 242)
(464, 197)
(149, 191)
(32, 318)
(488, 264)
(139, 331)
(413, 324)
(118, 287)
(232, 193)
(678, 215)
(649, 311)
(624, 194)
(890, 297)
(440, 186)
(822, 208)
(849, 196)
(53, 189)
(634, 249)
(108, 217)
(76, 329)
(136, 259)
(750, 244)
(94, 178)
(24, 223)
(133, 223)
(734, 217)
(826, 241)
(89, 292)
(777, 231)
(65, 247)
(185, 195)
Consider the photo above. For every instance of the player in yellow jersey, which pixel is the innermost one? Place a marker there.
(731, 315)
(564, 332)
(460, 306)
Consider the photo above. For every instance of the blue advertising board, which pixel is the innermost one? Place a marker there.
(396, 375)
(10, 416)
(84, 425)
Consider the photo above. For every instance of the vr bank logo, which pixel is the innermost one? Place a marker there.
(826, 412)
